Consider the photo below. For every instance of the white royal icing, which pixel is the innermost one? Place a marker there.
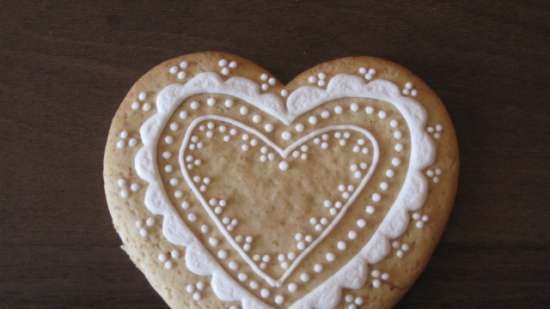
(284, 154)
(354, 273)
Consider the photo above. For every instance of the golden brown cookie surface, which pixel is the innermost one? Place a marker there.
(231, 189)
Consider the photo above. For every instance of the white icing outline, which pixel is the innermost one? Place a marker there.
(283, 153)
(354, 273)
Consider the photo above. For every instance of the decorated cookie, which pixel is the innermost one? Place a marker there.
(232, 190)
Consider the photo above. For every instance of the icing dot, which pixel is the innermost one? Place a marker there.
(394, 123)
(383, 186)
(338, 109)
(292, 287)
(142, 96)
(200, 285)
(213, 241)
(376, 197)
(352, 235)
(174, 126)
(181, 75)
(395, 162)
(175, 254)
(283, 166)
(264, 293)
(312, 120)
(162, 257)
(253, 285)
(317, 268)
(242, 277)
(173, 70)
(256, 118)
(233, 265)
(134, 187)
(284, 92)
(243, 110)
(228, 103)
(398, 147)
(279, 299)
(222, 254)
(369, 110)
(183, 65)
(168, 265)
(134, 105)
(146, 107)
(341, 246)
(390, 173)
(330, 257)
(192, 217)
(120, 144)
(299, 127)
(382, 114)
(121, 182)
(210, 101)
(194, 105)
(183, 114)
(143, 232)
(304, 277)
(325, 114)
(286, 135)
(369, 209)
(222, 62)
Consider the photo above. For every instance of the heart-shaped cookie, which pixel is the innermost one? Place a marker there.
(231, 190)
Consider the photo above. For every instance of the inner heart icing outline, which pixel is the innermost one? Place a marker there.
(411, 197)
(283, 153)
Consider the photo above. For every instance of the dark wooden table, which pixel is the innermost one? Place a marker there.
(65, 66)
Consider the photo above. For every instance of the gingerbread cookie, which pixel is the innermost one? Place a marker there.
(232, 190)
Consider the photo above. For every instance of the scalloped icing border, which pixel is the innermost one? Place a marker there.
(353, 275)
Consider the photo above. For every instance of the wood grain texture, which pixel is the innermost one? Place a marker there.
(65, 67)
